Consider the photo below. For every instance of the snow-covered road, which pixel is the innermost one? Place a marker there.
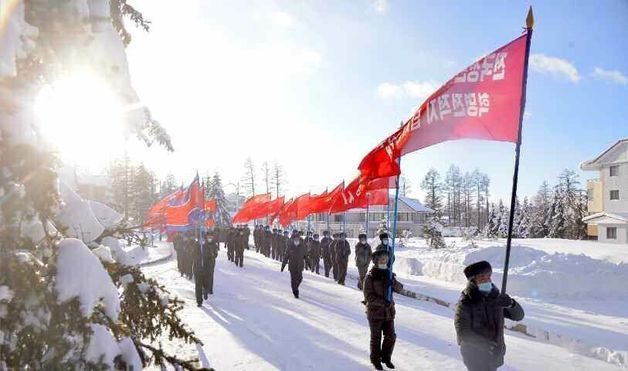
(253, 322)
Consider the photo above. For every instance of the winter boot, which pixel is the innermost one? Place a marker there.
(389, 364)
(296, 294)
(377, 365)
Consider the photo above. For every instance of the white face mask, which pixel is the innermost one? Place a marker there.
(362, 241)
(382, 266)
(385, 242)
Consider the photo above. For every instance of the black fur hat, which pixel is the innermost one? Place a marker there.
(383, 235)
(362, 235)
(481, 267)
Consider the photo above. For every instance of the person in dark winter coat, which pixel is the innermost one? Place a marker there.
(256, 238)
(343, 250)
(380, 312)
(332, 255)
(362, 257)
(283, 243)
(240, 245)
(315, 254)
(479, 319)
(190, 247)
(325, 242)
(295, 259)
(178, 243)
(231, 242)
(204, 261)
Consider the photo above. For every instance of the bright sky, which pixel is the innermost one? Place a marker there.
(315, 85)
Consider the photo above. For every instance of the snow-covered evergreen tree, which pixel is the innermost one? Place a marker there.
(490, 229)
(541, 212)
(69, 299)
(502, 220)
(524, 224)
(433, 233)
(215, 192)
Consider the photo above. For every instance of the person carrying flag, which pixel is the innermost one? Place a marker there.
(295, 258)
(362, 257)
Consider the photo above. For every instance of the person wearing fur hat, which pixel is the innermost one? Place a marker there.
(379, 311)
(479, 319)
(343, 250)
(295, 258)
(363, 253)
(325, 253)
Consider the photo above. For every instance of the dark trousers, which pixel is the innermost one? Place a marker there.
(477, 357)
(201, 285)
(334, 269)
(342, 270)
(210, 276)
(327, 265)
(382, 351)
(362, 269)
(316, 264)
(239, 258)
(295, 280)
(230, 253)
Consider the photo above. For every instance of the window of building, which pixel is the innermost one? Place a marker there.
(615, 194)
(590, 194)
(611, 233)
(614, 170)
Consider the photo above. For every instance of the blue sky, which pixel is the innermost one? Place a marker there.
(315, 85)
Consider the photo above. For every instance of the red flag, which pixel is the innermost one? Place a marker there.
(210, 205)
(272, 207)
(317, 203)
(359, 195)
(303, 206)
(481, 102)
(245, 212)
(288, 213)
(280, 211)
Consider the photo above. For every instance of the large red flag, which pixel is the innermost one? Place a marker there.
(317, 203)
(280, 211)
(481, 102)
(210, 205)
(303, 206)
(245, 212)
(358, 195)
(267, 208)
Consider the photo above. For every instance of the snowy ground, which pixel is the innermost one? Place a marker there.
(253, 323)
(148, 254)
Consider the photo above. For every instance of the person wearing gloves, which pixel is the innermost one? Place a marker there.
(479, 319)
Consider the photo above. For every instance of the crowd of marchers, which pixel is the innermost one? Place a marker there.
(479, 315)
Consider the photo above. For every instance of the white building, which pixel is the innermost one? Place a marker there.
(412, 215)
(608, 195)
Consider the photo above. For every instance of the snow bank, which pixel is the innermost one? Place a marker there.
(533, 273)
(80, 274)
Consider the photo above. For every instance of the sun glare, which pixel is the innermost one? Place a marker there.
(82, 118)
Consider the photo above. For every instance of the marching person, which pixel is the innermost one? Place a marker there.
(231, 242)
(479, 319)
(343, 250)
(178, 243)
(295, 258)
(379, 311)
(204, 261)
(363, 253)
(332, 255)
(190, 247)
(273, 244)
(283, 243)
(315, 254)
(240, 245)
(325, 242)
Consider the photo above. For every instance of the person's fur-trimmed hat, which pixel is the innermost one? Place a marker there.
(379, 251)
(383, 235)
(362, 235)
(481, 267)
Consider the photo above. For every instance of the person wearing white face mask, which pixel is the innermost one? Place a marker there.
(479, 319)
(380, 312)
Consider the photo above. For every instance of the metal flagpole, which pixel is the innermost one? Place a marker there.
(391, 248)
(344, 222)
(367, 215)
(515, 177)
(388, 212)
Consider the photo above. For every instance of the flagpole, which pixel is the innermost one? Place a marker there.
(367, 215)
(515, 177)
(391, 253)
